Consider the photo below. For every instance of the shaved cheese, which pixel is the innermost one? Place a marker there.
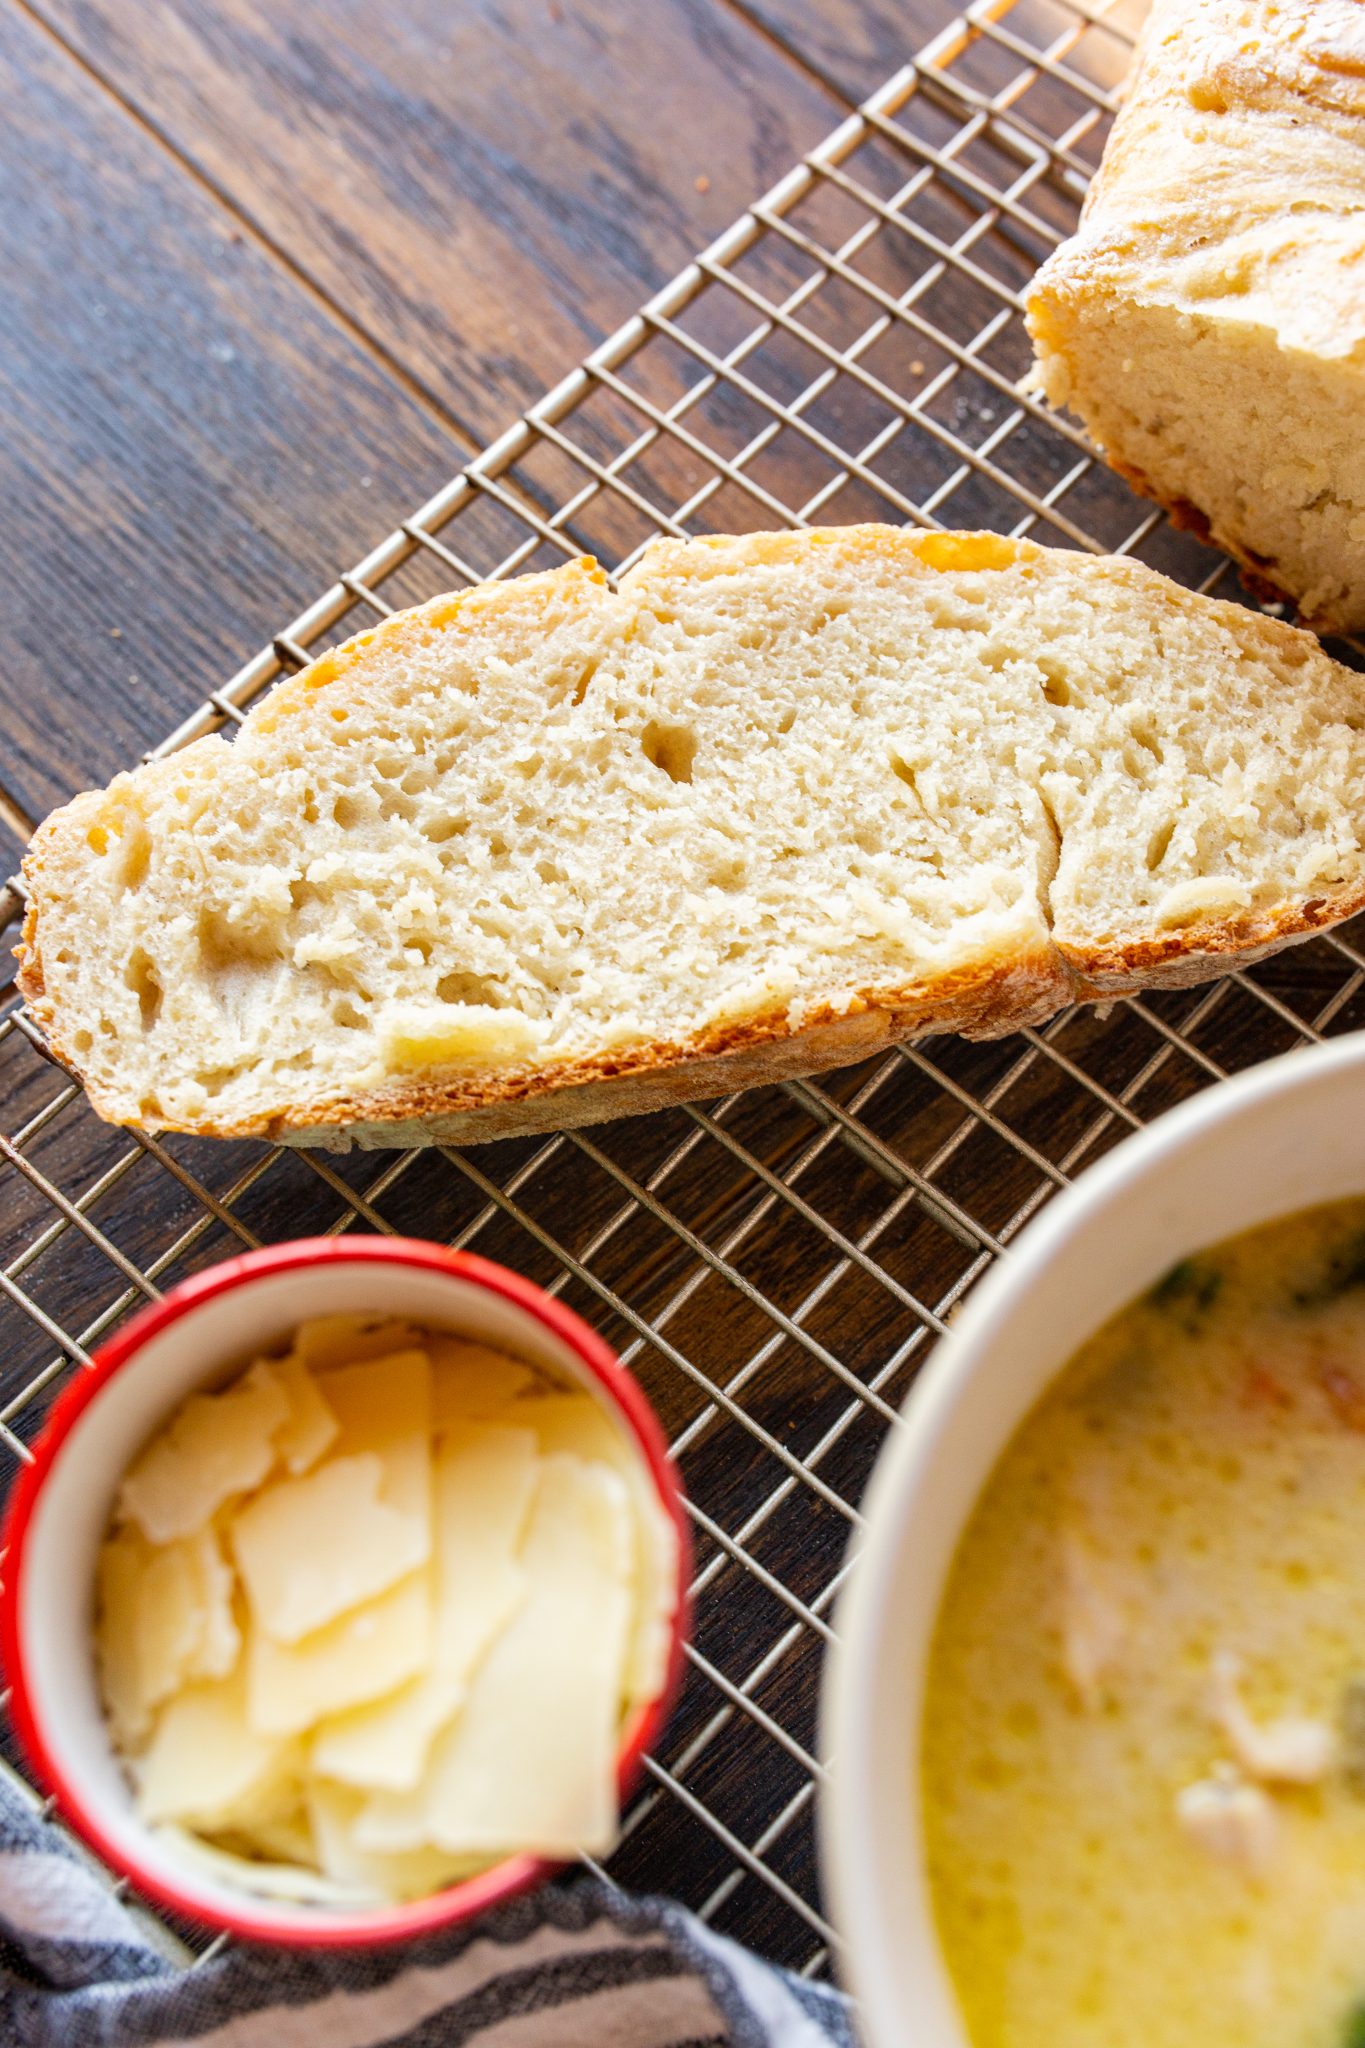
(185, 1627)
(417, 1873)
(309, 1549)
(217, 1445)
(204, 1765)
(363, 1667)
(380, 1400)
(165, 1617)
(275, 1837)
(310, 1426)
(470, 1383)
(347, 1340)
(220, 1638)
(118, 1579)
(364, 1653)
(485, 1476)
(580, 1426)
(168, 1622)
(529, 1763)
(384, 1406)
(269, 1880)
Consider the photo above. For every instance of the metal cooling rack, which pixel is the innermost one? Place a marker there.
(775, 1266)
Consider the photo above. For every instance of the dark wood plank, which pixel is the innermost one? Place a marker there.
(854, 45)
(488, 188)
(190, 446)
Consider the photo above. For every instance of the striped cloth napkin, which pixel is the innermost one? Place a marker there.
(575, 1963)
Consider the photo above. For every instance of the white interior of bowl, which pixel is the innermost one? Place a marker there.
(1286, 1136)
(56, 1605)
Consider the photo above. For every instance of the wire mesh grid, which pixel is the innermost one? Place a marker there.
(775, 1266)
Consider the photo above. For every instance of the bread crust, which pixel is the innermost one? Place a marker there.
(991, 998)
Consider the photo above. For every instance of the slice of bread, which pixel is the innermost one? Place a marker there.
(544, 852)
(1207, 323)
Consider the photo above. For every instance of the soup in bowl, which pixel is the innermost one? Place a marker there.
(1098, 1719)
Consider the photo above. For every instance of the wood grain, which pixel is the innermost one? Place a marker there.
(854, 45)
(190, 448)
(487, 188)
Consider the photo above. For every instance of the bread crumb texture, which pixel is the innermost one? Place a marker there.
(544, 851)
(1207, 323)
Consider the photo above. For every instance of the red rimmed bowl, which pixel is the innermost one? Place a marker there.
(196, 1336)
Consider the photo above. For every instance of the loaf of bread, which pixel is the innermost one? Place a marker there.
(1207, 323)
(546, 852)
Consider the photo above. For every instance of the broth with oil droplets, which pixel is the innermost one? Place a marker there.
(1143, 1747)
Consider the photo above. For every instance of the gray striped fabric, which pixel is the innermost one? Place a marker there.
(577, 1963)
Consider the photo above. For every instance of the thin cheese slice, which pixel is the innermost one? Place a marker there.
(380, 1400)
(332, 1810)
(485, 1476)
(267, 1878)
(185, 1626)
(384, 1406)
(579, 1426)
(118, 1581)
(368, 1651)
(205, 1767)
(165, 1617)
(328, 1341)
(168, 1621)
(310, 1427)
(471, 1383)
(220, 1639)
(309, 1549)
(217, 1445)
(275, 1837)
(529, 1762)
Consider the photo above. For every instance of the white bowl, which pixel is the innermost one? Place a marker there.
(1286, 1136)
(202, 1331)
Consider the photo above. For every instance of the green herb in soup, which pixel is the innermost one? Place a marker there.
(1143, 1753)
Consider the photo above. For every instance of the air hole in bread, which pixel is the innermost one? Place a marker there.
(673, 748)
(348, 1015)
(438, 830)
(141, 977)
(228, 944)
(1056, 688)
(350, 811)
(1157, 845)
(902, 771)
(471, 988)
(136, 856)
(582, 680)
(422, 946)
(787, 720)
(729, 875)
(215, 1079)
